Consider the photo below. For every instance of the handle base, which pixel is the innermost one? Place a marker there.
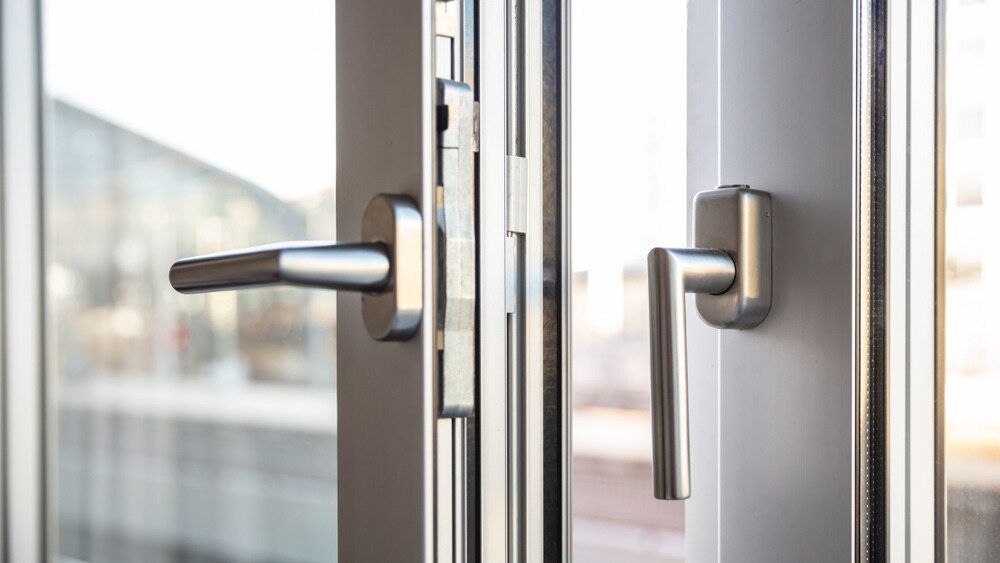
(394, 314)
(737, 220)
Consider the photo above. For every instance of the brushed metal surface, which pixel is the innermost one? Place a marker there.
(737, 220)
(387, 267)
(672, 273)
(456, 259)
(394, 313)
(353, 267)
(730, 272)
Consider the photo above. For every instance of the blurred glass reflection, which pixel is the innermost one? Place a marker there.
(203, 427)
(629, 187)
(972, 268)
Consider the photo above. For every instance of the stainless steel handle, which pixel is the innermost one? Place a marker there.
(672, 273)
(352, 267)
(386, 267)
(730, 270)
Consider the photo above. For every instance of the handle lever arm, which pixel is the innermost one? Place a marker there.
(672, 273)
(354, 267)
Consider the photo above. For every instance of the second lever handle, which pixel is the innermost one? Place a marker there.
(673, 272)
(730, 270)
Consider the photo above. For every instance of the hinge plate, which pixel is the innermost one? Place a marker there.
(517, 194)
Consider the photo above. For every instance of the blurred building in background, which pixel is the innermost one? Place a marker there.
(972, 276)
(628, 177)
(190, 427)
(203, 427)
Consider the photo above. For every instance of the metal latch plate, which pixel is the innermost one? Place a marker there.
(456, 206)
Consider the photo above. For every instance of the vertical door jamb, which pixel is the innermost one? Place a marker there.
(512, 123)
(386, 391)
(771, 422)
(492, 303)
(22, 492)
(915, 222)
(23, 390)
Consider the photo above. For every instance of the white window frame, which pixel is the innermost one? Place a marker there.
(22, 414)
(916, 525)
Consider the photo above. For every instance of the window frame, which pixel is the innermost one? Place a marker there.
(915, 505)
(23, 456)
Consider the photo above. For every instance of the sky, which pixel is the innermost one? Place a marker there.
(245, 85)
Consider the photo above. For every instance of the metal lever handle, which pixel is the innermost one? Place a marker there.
(730, 270)
(351, 267)
(387, 267)
(672, 273)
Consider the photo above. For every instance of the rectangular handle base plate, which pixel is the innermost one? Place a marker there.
(737, 220)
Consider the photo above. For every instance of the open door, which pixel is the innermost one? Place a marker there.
(156, 159)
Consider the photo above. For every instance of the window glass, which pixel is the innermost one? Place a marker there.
(188, 427)
(628, 195)
(972, 267)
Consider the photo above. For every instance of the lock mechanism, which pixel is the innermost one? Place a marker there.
(456, 243)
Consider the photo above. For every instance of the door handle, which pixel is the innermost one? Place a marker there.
(672, 273)
(730, 271)
(350, 267)
(386, 267)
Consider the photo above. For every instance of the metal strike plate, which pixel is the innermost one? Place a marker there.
(737, 220)
(456, 242)
(394, 313)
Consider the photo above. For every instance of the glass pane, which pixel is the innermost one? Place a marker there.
(972, 266)
(615, 517)
(198, 427)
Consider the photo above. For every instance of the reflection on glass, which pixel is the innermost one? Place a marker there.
(201, 427)
(972, 274)
(628, 195)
